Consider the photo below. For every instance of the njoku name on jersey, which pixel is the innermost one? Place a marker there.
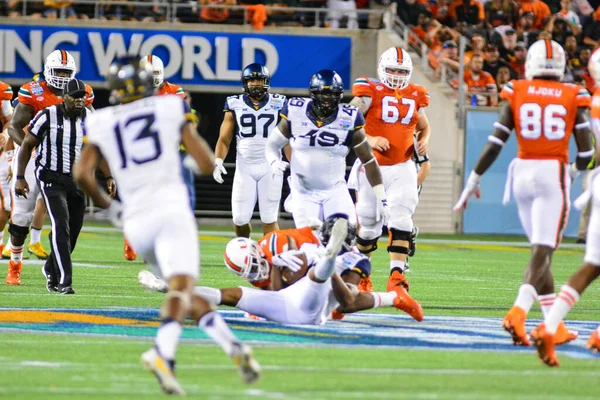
(254, 124)
(319, 148)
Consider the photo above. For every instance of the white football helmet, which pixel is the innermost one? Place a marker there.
(59, 61)
(158, 67)
(395, 59)
(594, 66)
(545, 58)
(243, 257)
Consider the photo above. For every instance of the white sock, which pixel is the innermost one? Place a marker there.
(167, 339)
(546, 302)
(35, 236)
(8, 245)
(215, 326)
(16, 253)
(526, 297)
(401, 265)
(2, 237)
(383, 299)
(565, 300)
(209, 294)
(324, 268)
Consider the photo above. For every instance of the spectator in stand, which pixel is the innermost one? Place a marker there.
(582, 72)
(559, 29)
(466, 14)
(525, 30)
(423, 29)
(409, 10)
(540, 10)
(501, 12)
(151, 13)
(477, 46)
(374, 21)
(591, 33)
(569, 16)
(215, 15)
(479, 81)
(439, 10)
(509, 43)
(570, 48)
(449, 56)
(518, 64)
(339, 9)
(59, 9)
(503, 77)
(492, 61)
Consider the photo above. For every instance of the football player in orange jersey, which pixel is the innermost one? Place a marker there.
(6, 112)
(544, 335)
(162, 87)
(395, 112)
(59, 68)
(544, 113)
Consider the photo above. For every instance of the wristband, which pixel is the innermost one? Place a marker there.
(473, 179)
(218, 162)
(20, 177)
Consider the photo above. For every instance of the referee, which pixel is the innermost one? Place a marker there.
(57, 131)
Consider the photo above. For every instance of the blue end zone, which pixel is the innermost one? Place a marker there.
(361, 329)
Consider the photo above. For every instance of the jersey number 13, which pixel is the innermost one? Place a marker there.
(144, 142)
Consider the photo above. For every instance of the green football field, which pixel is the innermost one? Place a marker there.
(88, 345)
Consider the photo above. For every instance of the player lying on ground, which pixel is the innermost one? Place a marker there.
(289, 288)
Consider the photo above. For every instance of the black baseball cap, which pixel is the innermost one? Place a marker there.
(75, 88)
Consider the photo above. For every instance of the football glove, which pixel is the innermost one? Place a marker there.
(573, 171)
(471, 188)
(115, 210)
(384, 213)
(278, 167)
(219, 170)
(289, 259)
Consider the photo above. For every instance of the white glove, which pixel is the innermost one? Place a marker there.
(278, 167)
(219, 170)
(384, 212)
(471, 188)
(190, 163)
(289, 259)
(115, 209)
(573, 171)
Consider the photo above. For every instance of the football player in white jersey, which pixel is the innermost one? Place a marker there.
(141, 146)
(320, 132)
(311, 298)
(251, 116)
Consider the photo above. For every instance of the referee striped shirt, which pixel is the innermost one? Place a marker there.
(61, 138)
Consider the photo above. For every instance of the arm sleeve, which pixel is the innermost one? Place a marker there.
(179, 92)
(39, 125)
(6, 108)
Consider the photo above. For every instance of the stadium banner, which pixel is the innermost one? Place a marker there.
(488, 215)
(194, 59)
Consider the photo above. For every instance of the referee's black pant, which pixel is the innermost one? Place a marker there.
(66, 207)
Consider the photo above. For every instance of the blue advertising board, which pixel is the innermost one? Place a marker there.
(190, 57)
(488, 215)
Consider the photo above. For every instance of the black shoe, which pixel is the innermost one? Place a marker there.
(581, 241)
(65, 290)
(412, 242)
(50, 285)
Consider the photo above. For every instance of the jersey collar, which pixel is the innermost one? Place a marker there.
(318, 121)
(258, 106)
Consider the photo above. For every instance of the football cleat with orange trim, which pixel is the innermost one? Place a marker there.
(396, 278)
(337, 316)
(404, 302)
(365, 285)
(594, 341)
(129, 251)
(514, 323)
(544, 343)
(13, 277)
(564, 335)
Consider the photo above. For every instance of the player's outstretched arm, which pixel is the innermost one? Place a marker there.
(198, 149)
(21, 117)
(583, 138)
(83, 173)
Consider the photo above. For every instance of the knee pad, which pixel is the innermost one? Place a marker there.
(21, 219)
(401, 223)
(396, 234)
(240, 220)
(186, 301)
(18, 232)
(370, 245)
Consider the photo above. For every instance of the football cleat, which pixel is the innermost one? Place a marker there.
(38, 250)
(248, 367)
(253, 317)
(163, 372)
(365, 285)
(564, 335)
(65, 289)
(514, 323)
(396, 278)
(337, 238)
(337, 316)
(544, 343)
(128, 251)
(404, 302)
(594, 341)
(152, 282)
(412, 242)
(50, 286)
(13, 277)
